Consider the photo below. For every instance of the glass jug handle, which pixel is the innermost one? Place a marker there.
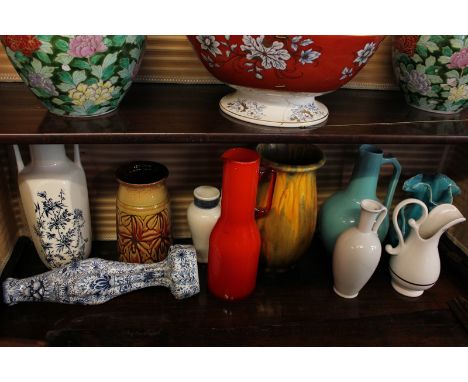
(265, 171)
(393, 181)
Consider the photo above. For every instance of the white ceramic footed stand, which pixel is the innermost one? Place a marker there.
(274, 107)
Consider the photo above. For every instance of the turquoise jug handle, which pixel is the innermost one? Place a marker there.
(394, 181)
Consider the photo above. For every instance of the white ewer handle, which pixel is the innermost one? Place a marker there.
(380, 219)
(414, 224)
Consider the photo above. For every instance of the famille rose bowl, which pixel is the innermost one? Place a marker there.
(77, 75)
(278, 77)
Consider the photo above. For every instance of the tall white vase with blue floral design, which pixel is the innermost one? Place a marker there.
(55, 201)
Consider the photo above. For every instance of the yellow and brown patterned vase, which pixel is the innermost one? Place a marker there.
(143, 212)
(288, 229)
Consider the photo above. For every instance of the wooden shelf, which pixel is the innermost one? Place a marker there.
(156, 113)
(296, 308)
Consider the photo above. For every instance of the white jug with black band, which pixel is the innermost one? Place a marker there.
(415, 263)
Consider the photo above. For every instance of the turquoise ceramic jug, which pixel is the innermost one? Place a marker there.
(341, 211)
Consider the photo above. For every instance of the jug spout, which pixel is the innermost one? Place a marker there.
(439, 220)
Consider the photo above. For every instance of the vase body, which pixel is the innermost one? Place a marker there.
(278, 77)
(77, 75)
(415, 264)
(357, 251)
(143, 213)
(288, 229)
(54, 195)
(342, 209)
(432, 71)
(432, 190)
(202, 215)
(235, 239)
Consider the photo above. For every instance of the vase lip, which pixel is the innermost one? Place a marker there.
(141, 173)
(370, 149)
(371, 205)
(240, 155)
(315, 157)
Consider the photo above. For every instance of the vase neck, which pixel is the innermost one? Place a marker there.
(370, 211)
(48, 154)
(239, 191)
(366, 172)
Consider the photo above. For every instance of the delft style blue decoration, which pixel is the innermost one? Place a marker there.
(59, 230)
(94, 281)
(433, 190)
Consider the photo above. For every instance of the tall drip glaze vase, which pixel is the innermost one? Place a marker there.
(342, 209)
(54, 195)
(288, 229)
(235, 240)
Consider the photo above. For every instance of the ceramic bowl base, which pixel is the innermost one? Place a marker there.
(107, 113)
(406, 292)
(435, 111)
(345, 295)
(274, 108)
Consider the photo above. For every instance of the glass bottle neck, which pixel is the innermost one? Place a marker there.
(239, 191)
(365, 175)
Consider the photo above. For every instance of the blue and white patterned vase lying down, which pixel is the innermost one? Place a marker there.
(95, 281)
(54, 195)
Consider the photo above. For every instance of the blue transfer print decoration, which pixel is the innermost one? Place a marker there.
(94, 281)
(59, 230)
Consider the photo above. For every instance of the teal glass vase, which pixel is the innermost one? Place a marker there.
(341, 211)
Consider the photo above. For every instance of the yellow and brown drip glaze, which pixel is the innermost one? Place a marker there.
(288, 229)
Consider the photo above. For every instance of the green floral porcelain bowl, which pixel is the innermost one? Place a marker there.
(79, 75)
(432, 71)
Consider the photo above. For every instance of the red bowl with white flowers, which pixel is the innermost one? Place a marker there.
(278, 77)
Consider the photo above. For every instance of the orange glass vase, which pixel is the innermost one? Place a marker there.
(235, 239)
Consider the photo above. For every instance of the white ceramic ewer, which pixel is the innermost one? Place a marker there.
(415, 264)
(357, 251)
(55, 201)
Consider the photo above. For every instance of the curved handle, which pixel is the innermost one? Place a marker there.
(411, 222)
(19, 160)
(76, 155)
(380, 219)
(262, 211)
(393, 181)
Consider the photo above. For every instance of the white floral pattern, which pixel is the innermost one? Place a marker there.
(364, 54)
(346, 72)
(210, 44)
(307, 112)
(246, 107)
(273, 56)
(308, 56)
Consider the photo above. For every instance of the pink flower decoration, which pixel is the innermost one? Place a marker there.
(86, 46)
(459, 60)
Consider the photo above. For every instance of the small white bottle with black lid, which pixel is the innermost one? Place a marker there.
(202, 215)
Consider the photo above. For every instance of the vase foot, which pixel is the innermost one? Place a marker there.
(406, 292)
(345, 295)
(274, 108)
